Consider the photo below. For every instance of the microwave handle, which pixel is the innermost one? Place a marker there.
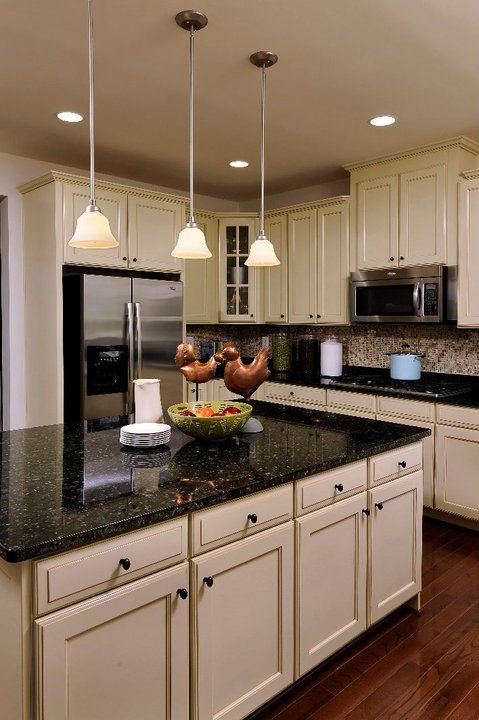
(417, 300)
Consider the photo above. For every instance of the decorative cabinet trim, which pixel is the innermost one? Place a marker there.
(313, 205)
(460, 142)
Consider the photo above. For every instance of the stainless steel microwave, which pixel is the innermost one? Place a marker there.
(421, 294)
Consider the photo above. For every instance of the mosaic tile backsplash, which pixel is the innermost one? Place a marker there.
(447, 349)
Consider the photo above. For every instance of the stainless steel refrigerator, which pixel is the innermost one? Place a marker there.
(118, 328)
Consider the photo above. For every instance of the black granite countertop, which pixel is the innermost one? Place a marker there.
(64, 486)
(470, 397)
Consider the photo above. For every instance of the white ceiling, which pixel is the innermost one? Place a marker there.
(340, 63)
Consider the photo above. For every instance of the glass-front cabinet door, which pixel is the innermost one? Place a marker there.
(238, 290)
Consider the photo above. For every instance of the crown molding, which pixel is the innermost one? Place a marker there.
(83, 181)
(461, 142)
(336, 201)
(470, 174)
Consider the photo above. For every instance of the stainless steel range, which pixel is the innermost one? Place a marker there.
(433, 389)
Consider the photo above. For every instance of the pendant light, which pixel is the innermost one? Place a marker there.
(191, 243)
(92, 228)
(262, 252)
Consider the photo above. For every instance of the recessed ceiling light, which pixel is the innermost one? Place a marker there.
(70, 117)
(239, 163)
(382, 120)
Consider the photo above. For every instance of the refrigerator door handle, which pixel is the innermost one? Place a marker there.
(131, 356)
(139, 340)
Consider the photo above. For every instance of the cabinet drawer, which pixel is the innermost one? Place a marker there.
(414, 409)
(299, 395)
(330, 487)
(65, 579)
(352, 412)
(395, 464)
(457, 415)
(226, 523)
(342, 398)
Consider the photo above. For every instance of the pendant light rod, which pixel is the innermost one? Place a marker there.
(92, 103)
(192, 20)
(263, 59)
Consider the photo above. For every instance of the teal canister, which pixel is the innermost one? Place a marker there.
(281, 353)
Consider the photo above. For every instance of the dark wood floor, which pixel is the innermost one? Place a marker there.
(409, 667)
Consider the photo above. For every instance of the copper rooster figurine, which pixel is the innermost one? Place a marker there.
(244, 379)
(194, 370)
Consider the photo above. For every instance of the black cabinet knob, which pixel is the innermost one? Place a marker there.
(208, 581)
(253, 518)
(402, 257)
(125, 563)
(366, 512)
(339, 487)
(135, 260)
(402, 463)
(391, 258)
(379, 506)
(124, 257)
(252, 315)
(318, 316)
(311, 316)
(183, 593)
(282, 316)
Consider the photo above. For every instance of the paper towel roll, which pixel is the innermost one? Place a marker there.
(331, 358)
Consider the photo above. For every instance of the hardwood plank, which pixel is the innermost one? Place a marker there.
(468, 709)
(443, 703)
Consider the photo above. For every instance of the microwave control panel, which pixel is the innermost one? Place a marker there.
(431, 299)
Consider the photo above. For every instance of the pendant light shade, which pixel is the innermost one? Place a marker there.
(262, 252)
(92, 228)
(191, 243)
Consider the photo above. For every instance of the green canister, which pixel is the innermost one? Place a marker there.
(282, 351)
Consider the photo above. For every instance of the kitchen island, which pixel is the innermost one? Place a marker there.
(285, 546)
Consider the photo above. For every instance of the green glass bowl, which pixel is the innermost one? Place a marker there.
(210, 428)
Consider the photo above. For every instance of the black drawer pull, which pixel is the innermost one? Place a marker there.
(379, 506)
(125, 563)
(208, 581)
(402, 464)
(253, 517)
(366, 511)
(183, 593)
(339, 487)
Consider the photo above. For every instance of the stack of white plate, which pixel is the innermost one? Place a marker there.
(145, 435)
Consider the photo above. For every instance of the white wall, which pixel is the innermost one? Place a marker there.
(305, 194)
(15, 171)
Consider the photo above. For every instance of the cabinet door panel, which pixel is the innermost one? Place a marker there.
(302, 266)
(395, 544)
(377, 223)
(237, 281)
(119, 652)
(243, 625)
(153, 227)
(201, 278)
(422, 221)
(468, 266)
(333, 265)
(114, 207)
(331, 569)
(276, 278)
(457, 467)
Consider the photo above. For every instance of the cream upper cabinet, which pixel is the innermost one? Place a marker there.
(276, 278)
(201, 277)
(302, 265)
(114, 206)
(422, 216)
(395, 531)
(468, 266)
(331, 579)
(120, 654)
(238, 301)
(377, 222)
(153, 228)
(457, 464)
(242, 598)
(333, 264)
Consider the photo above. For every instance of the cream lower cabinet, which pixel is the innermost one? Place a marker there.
(395, 547)
(121, 655)
(457, 471)
(242, 599)
(331, 580)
